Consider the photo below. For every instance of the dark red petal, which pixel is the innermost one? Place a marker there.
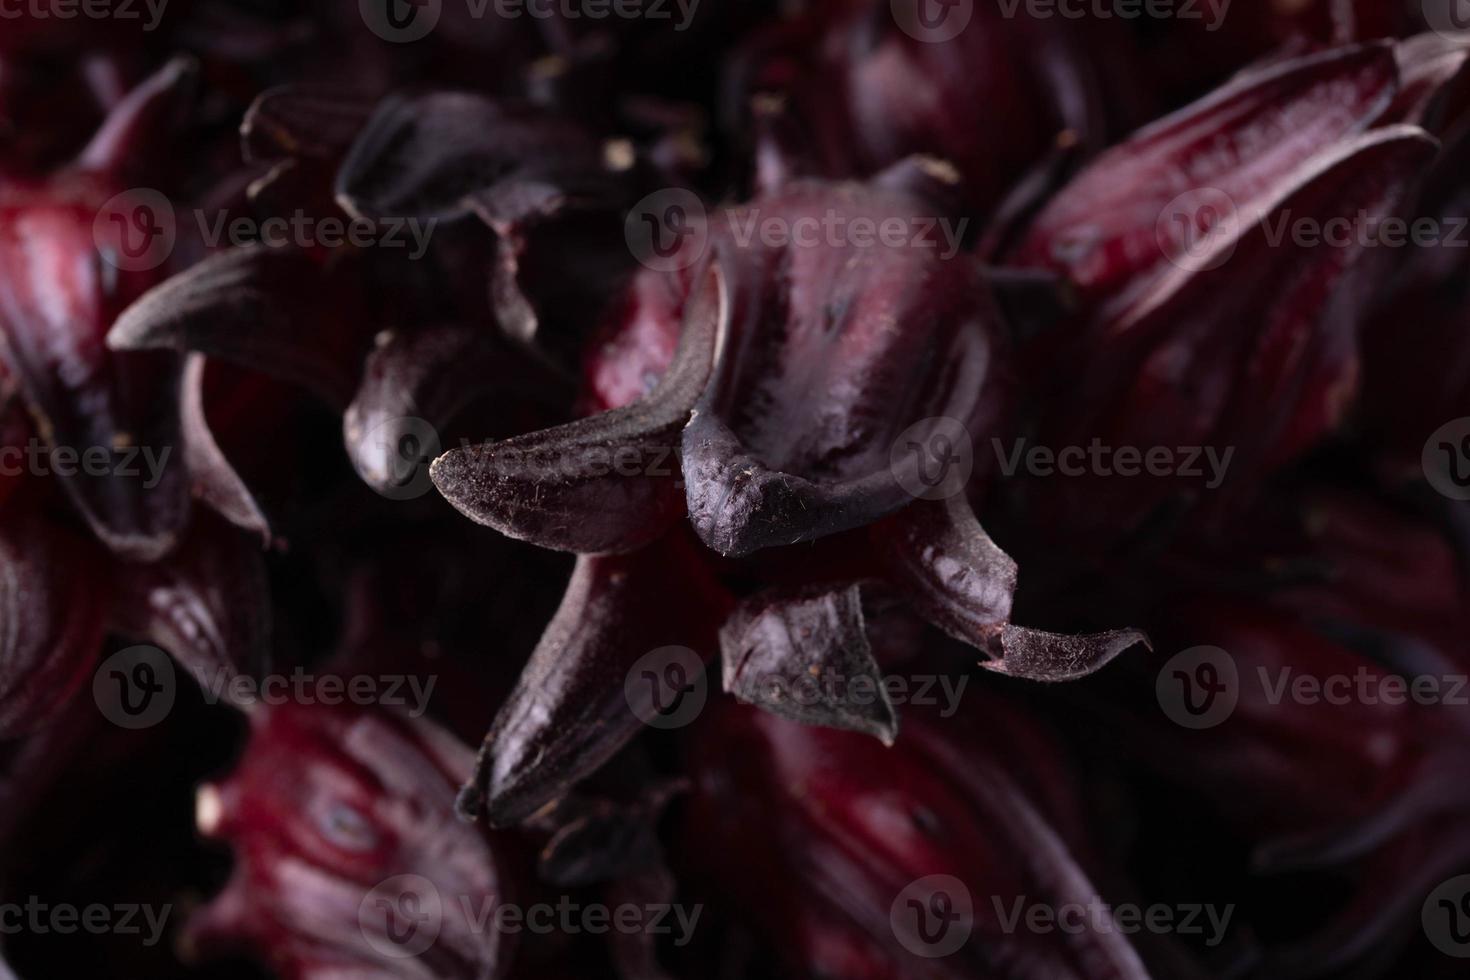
(566, 487)
(331, 810)
(1102, 230)
(805, 657)
(57, 296)
(52, 595)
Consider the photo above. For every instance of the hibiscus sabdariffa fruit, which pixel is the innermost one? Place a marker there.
(815, 400)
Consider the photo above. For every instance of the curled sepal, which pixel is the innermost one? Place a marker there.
(207, 604)
(1039, 656)
(265, 308)
(805, 656)
(211, 476)
(350, 859)
(580, 698)
(940, 557)
(426, 156)
(51, 602)
(603, 484)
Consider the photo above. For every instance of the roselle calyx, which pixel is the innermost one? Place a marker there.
(331, 809)
(1159, 234)
(858, 835)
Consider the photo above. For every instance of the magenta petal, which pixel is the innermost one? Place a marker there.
(601, 484)
(51, 599)
(805, 657)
